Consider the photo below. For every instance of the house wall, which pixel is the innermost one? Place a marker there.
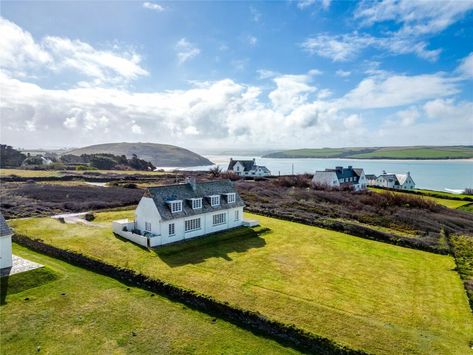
(408, 184)
(147, 212)
(206, 225)
(239, 169)
(362, 183)
(326, 178)
(5, 252)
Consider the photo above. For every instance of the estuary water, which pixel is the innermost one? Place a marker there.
(440, 175)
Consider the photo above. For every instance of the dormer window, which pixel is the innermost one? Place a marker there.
(196, 203)
(231, 197)
(214, 200)
(176, 206)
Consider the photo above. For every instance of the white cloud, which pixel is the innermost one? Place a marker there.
(153, 6)
(398, 90)
(265, 73)
(352, 122)
(303, 4)
(416, 17)
(466, 66)
(19, 52)
(348, 46)
(136, 129)
(255, 14)
(449, 110)
(291, 91)
(186, 50)
(343, 73)
(407, 118)
(252, 40)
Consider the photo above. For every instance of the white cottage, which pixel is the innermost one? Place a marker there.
(167, 214)
(5, 244)
(395, 181)
(247, 168)
(341, 177)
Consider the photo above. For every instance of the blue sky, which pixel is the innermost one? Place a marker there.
(218, 75)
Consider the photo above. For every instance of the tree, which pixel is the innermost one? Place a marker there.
(9, 157)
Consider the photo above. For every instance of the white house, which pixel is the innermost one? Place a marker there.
(341, 177)
(247, 168)
(167, 214)
(395, 181)
(5, 244)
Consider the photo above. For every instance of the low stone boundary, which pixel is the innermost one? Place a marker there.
(355, 230)
(257, 323)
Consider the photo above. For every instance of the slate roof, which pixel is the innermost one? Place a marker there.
(349, 172)
(4, 229)
(371, 177)
(248, 165)
(389, 176)
(162, 194)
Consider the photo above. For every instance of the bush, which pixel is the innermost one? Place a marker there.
(85, 167)
(89, 217)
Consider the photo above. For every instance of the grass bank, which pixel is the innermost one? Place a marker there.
(81, 312)
(360, 293)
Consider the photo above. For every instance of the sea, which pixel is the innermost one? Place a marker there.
(440, 175)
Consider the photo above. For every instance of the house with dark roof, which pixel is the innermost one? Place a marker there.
(5, 244)
(247, 168)
(172, 213)
(341, 177)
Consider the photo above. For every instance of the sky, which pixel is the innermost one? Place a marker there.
(243, 75)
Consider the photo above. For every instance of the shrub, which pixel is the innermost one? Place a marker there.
(89, 217)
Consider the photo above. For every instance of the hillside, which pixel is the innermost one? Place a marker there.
(415, 152)
(161, 155)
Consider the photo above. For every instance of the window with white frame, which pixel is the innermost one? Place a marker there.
(231, 198)
(172, 229)
(196, 203)
(214, 200)
(219, 219)
(147, 226)
(176, 206)
(237, 215)
(192, 225)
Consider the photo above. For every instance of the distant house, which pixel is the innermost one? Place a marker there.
(341, 177)
(167, 214)
(395, 181)
(371, 179)
(247, 168)
(5, 244)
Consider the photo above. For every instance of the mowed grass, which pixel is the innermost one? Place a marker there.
(54, 173)
(441, 201)
(360, 293)
(80, 312)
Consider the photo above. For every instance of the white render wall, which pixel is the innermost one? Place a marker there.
(146, 211)
(206, 225)
(5, 251)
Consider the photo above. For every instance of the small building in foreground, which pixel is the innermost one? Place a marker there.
(341, 177)
(5, 244)
(395, 181)
(172, 213)
(247, 168)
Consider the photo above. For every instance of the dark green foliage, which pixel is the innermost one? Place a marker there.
(9, 157)
(107, 162)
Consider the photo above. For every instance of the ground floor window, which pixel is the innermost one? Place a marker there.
(172, 229)
(192, 224)
(218, 218)
(147, 226)
(237, 215)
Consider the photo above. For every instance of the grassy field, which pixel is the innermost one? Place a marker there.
(441, 201)
(80, 312)
(442, 193)
(449, 152)
(48, 173)
(363, 294)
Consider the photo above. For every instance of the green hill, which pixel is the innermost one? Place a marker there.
(416, 152)
(161, 155)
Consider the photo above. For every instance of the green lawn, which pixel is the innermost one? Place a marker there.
(361, 293)
(441, 201)
(81, 312)
(442, 193)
